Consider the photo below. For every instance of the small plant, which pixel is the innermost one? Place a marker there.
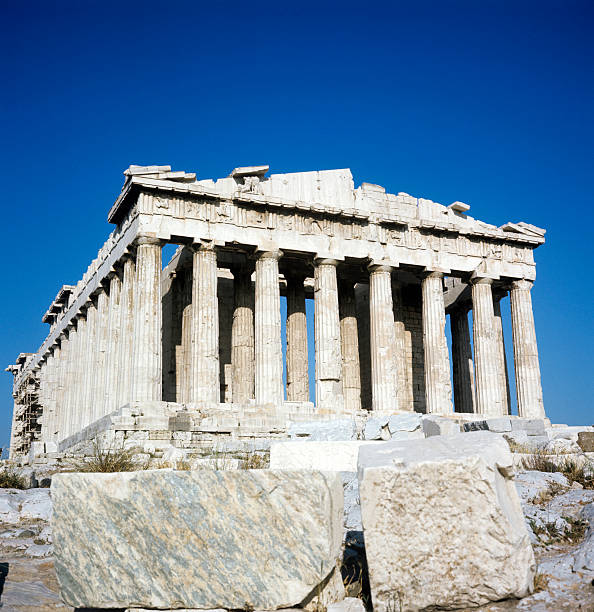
(118, 459)
(540, 461)
(255, 461)
(9, 479)
(541, 582)
(580, 472)
(577, 529)
(547, 494)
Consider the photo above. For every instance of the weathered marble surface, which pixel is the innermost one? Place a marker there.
(204, 539)
(443, 523)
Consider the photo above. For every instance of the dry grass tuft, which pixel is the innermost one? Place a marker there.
(107, 460)
(255, 461)
(541, 582)
(547, 494)
(9, 479)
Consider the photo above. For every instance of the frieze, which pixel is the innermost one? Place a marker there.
(312, 220)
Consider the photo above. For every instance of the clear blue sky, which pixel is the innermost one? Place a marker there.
(485, 102)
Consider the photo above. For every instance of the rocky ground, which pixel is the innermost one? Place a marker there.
(559, 515)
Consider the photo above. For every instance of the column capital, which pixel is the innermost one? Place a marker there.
(203, 246)
(147, 239)
(522, 283)
(433, 273)
(275, 254)
(481, 280)
(325, 261)
(379, 266)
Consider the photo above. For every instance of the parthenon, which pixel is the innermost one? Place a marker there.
(204, 332)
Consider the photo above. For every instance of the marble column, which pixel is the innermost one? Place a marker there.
(462, 365)
(86, 412)
(489, 393)
(351, 370)
(438, 388)
(101, 346)
(382, 339)
(267, 326)
(328, 357)
(297, 358)
(63, 384)
(146, 354)
(52, 392)
(242, 336)
(44, 395)
(73, 378)
(404, 388)
(186, 344)
(502, 361)
(124, 358)
(528, 384)
(55, 381)
(204, 373)
(113, 344)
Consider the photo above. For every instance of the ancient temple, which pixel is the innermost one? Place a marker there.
(202, 334)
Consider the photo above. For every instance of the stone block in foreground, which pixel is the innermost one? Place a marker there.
(443, 524)
(256, 539)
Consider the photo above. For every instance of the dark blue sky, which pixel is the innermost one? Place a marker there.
(485, 102)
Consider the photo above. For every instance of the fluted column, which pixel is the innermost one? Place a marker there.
(186, 344)
(382, 339)
(126, 345)
(74, 380)
(44, 383)
(528, 384)
(204, 374)
(297, 359)
(146, 355)
(88, 349)
(489, 393)
(351, 371)
(101, 346)
(502, 360)
(112, 352)
(438, 388)
(267, 326)
(63, 384)
(404, 388)
(242, 336)
(462, 365)
(328, 357)
(51, 423)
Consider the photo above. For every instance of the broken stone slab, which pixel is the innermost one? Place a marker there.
(532, 427)
(585, 440)
(439, 426)
(443, 523)
(498, 425)
(325, 456)
(404, 423)
(158, 539)
(376, 428)
(333, 430)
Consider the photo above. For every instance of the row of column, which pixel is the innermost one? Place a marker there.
(111, 352)
(88, 372)
(481, 385)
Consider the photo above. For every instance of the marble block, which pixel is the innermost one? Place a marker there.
(443, 524)
(255, 539)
